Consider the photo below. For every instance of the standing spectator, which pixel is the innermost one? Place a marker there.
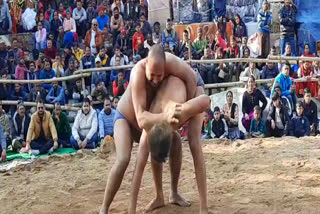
(106, 117)
(299, 124)
(257, 127)
(219, 128)
(5, 18)
(55, 24)
(84, 129)
(62, 125)
(50, 51)
(145, 26)
(285, 83)
(21, 70)
(250, 71)
(199, 44)
(5, 123)
(79, 15)
(42, 134)
(56, 94)
(137, 38)
(120, 84)
(251, 98)
(239, 29)
(156, 35)
(311, 111)
(131, 10)
(231, 115)
(287, 25)
(93, 38)
(264, 24)
(3, 144)
(88, 59)
(19, 130)
(277, 122)
(115, 23)
(47, 73)
(169, 35)
(69, 25)
(91, 14)
(103, 19)
(79, 93)
(41, 37)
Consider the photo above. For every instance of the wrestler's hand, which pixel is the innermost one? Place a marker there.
(174, 113)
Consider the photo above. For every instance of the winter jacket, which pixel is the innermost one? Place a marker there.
(287, 22)
(260, 128)
(62, 126)
(56, 95)
(101, 76)
(219, 129)
(135, 38)
(79, 15)
(106, 123)
(46, 75)
(55, 24)
(21, 95)
(49, 128)
(249, 101)
(268, 73)
(311, 112)
(20, 73)
(32, 97)
(20, 126)
(299, 126)
(88, 62)
(171, 38)
(285, 84)
(118, 90)
(284, 116)
(264, 22)
(98, 39)
(85, 125)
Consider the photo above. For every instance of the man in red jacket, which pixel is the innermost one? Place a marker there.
(137, 38)
(119, 85)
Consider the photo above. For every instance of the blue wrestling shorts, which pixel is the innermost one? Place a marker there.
(118, 116)
(199, 79)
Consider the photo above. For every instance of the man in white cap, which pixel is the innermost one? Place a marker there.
(99, 75)
(93, 38)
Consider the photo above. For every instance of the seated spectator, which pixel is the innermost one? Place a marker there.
(145, 26)
(269, 71)
(84, 129)
(69, 25)
(5, 123)
(98, 75)
(299, 124)
(91, 14)
(311, 111)
(250, 71)
(58, 66)
(115, 23)
(37, 93)
(21, 70)
(230, 112)
(99, 93)
(206, 125)
(103, 19)
(3, 145)
(79, 93)
(41, 37)
(45, 23)
(131, 10)
(251, 98)
(56, 94)
(219, 41)
(31, 74)
(103, 57)
(18, 94)
(294, 67)
(207, 70)
(199, 44)
(285, 83)
(77, 52)
(183, 44)
(277, 122)
(233, 52)
(119, 5)
(93, 38)
(221, 73)
(257, 127)
(115, 102)
(239, 29)
(156, 35)
(219, 128)
(243, 46)
(305, 70)
(62, 125)
(88, 60)
(120, 84)
(50, 51)
(19, 130)
(55, 24)
(138, 37)
(79, 15)
(149, 42)
(105, 118)
(5, 88)
(5, 18)
(169, 35)
(69, 84)
(306, 52)
(42, 134)
(47, 73)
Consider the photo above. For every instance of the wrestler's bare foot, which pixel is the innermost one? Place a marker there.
(177, 199)
(155, 204)
(203, 211)
(103, 211)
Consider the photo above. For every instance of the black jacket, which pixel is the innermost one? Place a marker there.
(311, 112)
(285, 119)
(17, 125)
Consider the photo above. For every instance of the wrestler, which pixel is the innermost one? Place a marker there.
(132, 117)
(162, 137)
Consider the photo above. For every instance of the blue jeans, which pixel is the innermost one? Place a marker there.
(92, 143)
(283, 45)
(293, 100)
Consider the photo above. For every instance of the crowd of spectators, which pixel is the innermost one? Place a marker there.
(83, 34)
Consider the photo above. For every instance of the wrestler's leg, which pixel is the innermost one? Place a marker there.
(197, 154)
(123, 144)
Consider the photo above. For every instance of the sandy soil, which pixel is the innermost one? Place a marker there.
(254, 176)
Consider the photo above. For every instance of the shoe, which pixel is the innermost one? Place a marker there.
(16, 145)
(34, 152)
(50, 150)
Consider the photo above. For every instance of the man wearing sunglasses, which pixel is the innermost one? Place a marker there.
(93, 38)
(42, 134)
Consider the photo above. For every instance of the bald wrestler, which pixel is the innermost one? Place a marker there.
(132, 116)
(162, 137)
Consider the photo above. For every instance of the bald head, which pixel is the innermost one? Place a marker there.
(157, 52)
(155, 66)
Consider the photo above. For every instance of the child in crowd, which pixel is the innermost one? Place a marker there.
(257, 127)
(41, 36)
(206, 125)
(299, 125)
(219, 128)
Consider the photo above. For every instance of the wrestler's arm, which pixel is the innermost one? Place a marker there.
(183, 71)
(145, 119)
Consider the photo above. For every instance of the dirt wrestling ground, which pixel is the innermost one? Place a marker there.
(253, 176)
